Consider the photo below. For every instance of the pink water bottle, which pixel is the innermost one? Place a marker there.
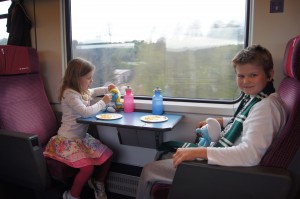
(128, 100)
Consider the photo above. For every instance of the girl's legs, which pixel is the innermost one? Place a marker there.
(102, 171)
(80, 180)
(97, 183)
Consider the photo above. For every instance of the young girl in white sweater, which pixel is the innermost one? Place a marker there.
(73, 145)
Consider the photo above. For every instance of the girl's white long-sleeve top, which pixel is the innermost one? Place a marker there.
(74, 106)
(264, 122)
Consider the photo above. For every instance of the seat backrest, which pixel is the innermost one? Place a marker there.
(284, 148)
(24, 106)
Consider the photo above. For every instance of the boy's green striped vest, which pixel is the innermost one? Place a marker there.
(233, 129)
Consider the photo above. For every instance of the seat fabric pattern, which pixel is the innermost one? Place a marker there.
(283, 149)
(25, 108)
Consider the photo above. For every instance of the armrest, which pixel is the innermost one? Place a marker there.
(200, 180)
(22, 160)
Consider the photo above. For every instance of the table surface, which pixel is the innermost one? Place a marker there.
(133, 120)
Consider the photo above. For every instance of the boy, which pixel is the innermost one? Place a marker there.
(246, 136)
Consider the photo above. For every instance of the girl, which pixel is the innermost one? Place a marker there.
(246, 136)
(73, 145)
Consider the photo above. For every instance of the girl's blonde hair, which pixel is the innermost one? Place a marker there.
(77, 68)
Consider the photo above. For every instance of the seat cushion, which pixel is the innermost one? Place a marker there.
(284, 147)
(61, 171)
(25, 107)
(160, 190)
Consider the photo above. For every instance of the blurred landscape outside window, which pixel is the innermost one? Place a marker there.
(184, 47)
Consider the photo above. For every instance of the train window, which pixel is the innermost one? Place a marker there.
(4, 5)
(185, 46)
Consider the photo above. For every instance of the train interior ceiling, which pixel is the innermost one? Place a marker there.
(271, 30)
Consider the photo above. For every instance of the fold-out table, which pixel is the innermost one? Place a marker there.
(131, 122)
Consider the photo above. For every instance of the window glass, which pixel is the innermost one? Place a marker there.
(184, 47)
(4, 5)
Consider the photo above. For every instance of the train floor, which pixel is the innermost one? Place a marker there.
(9, 191)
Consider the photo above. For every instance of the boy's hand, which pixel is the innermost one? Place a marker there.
(201, 123)
(185, 154)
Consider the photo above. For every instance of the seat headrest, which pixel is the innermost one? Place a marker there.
(291, 60)
(18, 60)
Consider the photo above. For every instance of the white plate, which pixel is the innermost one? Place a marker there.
(154, 118)
(109, 116)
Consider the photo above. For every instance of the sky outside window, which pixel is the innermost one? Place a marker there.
(4, 10)
(121, 21)
(183, 46)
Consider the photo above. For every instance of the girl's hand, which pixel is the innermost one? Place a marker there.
(183, 154)
(107, 98)
(111, 86)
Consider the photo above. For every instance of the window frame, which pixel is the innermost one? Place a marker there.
(68, 26)
(3, 16)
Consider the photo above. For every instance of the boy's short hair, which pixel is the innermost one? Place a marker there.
(257, 55)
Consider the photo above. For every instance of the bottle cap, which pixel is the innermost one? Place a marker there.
(157, 89)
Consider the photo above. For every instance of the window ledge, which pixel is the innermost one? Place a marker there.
(183, 107)
(190, 107)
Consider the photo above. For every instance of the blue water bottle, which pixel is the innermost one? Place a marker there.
(157, 102)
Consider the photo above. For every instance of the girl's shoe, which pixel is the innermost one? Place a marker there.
(98, 187)
(67, 195)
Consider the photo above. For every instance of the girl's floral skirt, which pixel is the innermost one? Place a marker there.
(77, 152)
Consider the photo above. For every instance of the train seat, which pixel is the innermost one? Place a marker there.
(27, 122)
(277, 176)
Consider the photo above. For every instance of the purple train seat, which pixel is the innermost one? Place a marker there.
(27, 122)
